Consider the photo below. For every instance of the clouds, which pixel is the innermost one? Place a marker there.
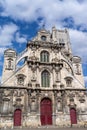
(20, 38)
(7, 34)
(61, 13)
(78, 42)
(53, 11)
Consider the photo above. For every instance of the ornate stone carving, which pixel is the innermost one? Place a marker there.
(18, 93)
(71, 94)
(82, 100)
(30, 85)
(77, 69)
(55, 60)
(59, 103)
(18, 102)
(7, 93)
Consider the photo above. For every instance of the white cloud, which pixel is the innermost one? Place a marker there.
(2, 49)
(53, 11)
(79, 43)
(7, 34)
(20, 39)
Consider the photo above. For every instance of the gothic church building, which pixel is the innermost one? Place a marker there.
(48, 89)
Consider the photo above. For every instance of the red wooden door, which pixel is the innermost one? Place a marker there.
(17, 117)
(46, 112)
(73, 116)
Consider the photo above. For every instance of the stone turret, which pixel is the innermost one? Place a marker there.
(62, 37)
(9, 64)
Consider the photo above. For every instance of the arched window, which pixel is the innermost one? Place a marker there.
(44, 57)
(45, 79)
(69, 81)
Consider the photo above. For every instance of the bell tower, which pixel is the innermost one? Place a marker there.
(9, 64)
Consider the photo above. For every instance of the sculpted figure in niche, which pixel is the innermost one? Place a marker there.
(5, 106)
(59, 105)
(77, 68)
(59, 102)
(33, 105)
(33, 102)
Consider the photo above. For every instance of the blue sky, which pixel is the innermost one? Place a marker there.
(21, 19)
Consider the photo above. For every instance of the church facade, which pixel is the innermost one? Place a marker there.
(48, 89)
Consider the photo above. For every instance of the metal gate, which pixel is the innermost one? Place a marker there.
(46, 111)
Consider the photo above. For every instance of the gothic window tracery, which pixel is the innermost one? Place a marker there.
(44, 56)
(45, 79)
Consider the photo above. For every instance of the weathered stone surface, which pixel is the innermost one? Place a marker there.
(25, 88)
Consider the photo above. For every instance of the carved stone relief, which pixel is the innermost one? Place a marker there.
(77, 69)
(7, 93)
(18, 93)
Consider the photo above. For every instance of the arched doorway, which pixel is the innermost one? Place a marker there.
(73, 116)
(17, 117)
(46, 111)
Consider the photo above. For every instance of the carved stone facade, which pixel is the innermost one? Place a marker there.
(48, 89)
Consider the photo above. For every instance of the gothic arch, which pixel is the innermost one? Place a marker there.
(44, 56)
(46, 68)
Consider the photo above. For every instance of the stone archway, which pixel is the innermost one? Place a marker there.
(46, 111)
(17, 117)
(73, 116)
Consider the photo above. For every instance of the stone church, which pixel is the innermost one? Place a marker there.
(48, 88)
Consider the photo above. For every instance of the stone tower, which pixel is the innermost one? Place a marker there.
(9, 64)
